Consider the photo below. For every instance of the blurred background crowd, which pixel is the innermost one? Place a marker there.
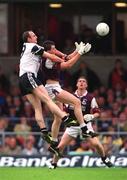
(17, 116)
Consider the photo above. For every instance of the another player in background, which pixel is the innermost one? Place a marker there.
(52, 71)
(30, 86)
(90, 111)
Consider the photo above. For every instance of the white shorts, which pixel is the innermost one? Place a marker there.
(53, 89)
(75, 131)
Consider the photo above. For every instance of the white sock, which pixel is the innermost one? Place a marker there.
(55, 139)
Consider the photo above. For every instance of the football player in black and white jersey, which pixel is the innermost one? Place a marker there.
(52, 71)
(31, 87)
(90, 111)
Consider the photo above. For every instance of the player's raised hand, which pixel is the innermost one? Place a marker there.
(78, 45)
(88, 117)
(87, 47)
(83, 48)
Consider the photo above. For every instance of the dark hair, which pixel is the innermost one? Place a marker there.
(81, 77)
(25, 36)
(47, 45)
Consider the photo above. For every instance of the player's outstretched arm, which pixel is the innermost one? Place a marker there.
(52, 57)
(60, 54)
(78, 46)
(83, 49)
(69, 56)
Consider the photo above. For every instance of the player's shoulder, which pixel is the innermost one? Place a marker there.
(31, 45)
(89, 96)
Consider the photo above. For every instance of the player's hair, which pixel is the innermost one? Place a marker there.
(47, 44)
(81, 77)
(25, 36)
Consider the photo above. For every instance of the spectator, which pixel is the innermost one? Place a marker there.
(85, 148)
(28, 110)
(12, 148)
(101, 102)
(18, 105)
(3, 126)
(110, 98)
(109, 146)
(123, 150)
(23, 128)
(118, 75)
(116, 109)
(43, 149)
(29, 148)
(104, 121)
(4, 144)
(73, 145)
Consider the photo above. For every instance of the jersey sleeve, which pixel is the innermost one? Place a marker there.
(37, 50)
(94, 106)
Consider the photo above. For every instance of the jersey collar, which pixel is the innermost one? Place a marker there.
(76, 93)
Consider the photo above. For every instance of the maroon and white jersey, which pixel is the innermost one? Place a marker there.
(88, 104)
(51, 69)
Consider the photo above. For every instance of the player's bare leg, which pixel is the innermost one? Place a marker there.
(42, 94)
(56, 123)
(68, 98)
(65, 140)
(36, 103)
(55, 131)
(100, 149)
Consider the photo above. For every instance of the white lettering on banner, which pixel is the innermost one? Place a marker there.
(85, 161)
(122, 161)
(113, 158)
(33, 161)
(6, 161)
(71, 161)
(74, 161)
(47, 162)
(43, 160)
(20, 162)
(99, 163)
(64, 162)
(91, 161)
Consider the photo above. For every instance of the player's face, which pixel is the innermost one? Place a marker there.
(53, 49)
(82, 84)
(32, 37)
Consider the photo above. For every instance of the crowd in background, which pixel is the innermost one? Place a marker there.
(17, 115)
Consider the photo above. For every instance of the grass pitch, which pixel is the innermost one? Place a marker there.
(63, 174)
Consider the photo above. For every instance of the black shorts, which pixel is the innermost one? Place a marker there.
(27, 82)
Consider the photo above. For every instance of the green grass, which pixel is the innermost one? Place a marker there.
(63, 174)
